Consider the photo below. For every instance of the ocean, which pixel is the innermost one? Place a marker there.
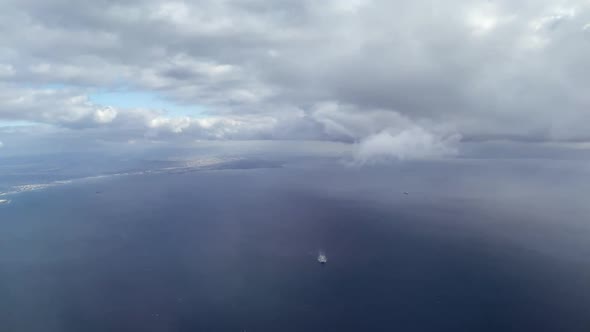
(474, 245)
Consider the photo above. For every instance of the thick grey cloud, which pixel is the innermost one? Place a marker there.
(346, 70)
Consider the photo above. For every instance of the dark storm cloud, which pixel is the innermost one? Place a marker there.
(267, 69)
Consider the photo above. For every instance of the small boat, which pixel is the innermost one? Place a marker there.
(322, 259)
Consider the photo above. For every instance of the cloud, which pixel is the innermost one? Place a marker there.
(1, 144)
(63, 107)
(6, 71)
(352, 71)
(105, 115)
(408, 144)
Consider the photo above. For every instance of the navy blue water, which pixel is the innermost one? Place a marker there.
(235, 250)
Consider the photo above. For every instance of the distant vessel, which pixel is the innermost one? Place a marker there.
(322, 259)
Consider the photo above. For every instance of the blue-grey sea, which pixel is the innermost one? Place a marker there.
(474, 245)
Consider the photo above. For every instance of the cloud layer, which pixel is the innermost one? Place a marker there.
(399, 77)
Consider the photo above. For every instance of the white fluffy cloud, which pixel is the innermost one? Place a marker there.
(105, 115)
(411, 143)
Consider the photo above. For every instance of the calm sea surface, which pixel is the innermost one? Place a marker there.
(472, 247)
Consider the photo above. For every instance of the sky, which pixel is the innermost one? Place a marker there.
(397, 79)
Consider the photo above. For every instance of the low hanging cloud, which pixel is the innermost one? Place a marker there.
(408, 144)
